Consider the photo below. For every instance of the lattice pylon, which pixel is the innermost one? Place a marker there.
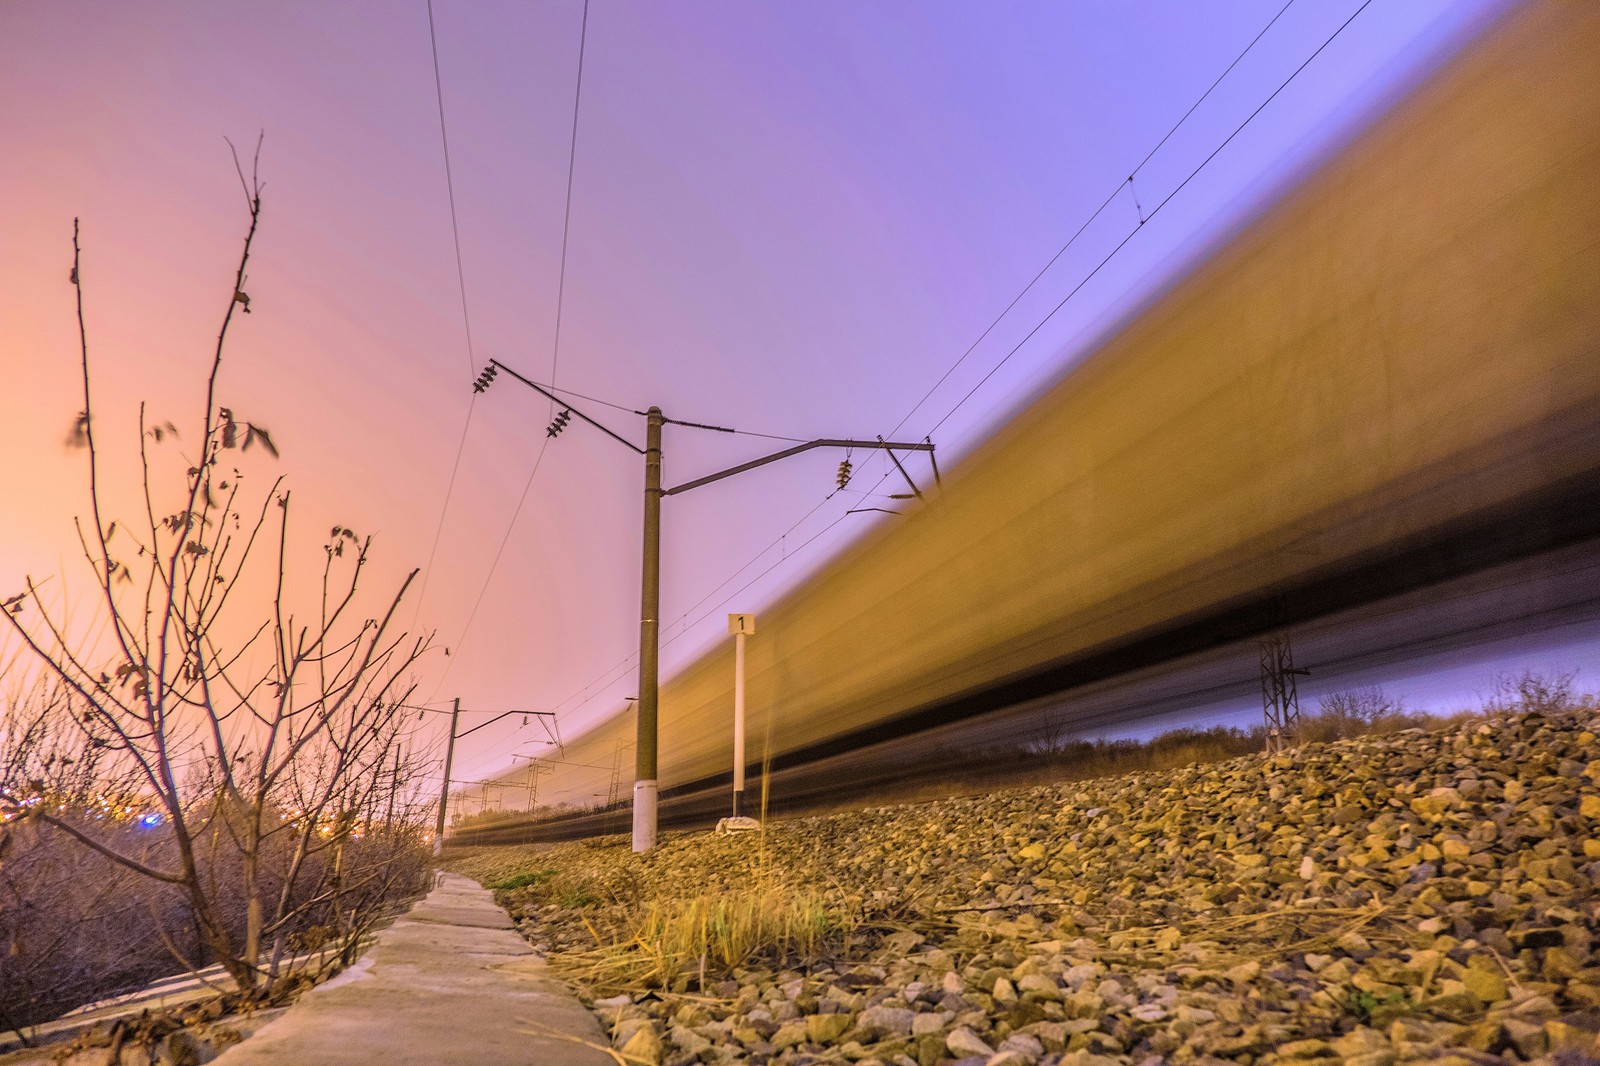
(616, 775)
(1280, 700)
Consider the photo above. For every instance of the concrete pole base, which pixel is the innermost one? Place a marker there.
(644, 815)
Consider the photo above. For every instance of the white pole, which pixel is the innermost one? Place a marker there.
(741, 626)
(738, 723)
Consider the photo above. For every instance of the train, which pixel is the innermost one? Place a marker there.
(1389, 378)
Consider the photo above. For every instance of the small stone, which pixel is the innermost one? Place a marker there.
(1435, 803)
(1004, 991)
(826, 1028)
(1149, 1012)
(1024, 1044)
(1355, 945)
(1360, 1041)
(624, 1030)
(964, 1042)
(644, 1046)
(1455, 850)
(1305, 1049)
(1589, 806)
(790, 1034)
(925, 1024)
(1038, 986)
(1032, 853)
(886, 1021)
(1084, 1005)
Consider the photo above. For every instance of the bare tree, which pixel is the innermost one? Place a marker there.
(264, 741)
(1366, 706)
(1531, 691)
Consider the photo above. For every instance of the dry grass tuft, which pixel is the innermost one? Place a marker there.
(679, 943)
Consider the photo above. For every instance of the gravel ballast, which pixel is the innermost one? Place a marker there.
(1414, 897)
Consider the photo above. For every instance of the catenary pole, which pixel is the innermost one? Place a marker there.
(644, 784)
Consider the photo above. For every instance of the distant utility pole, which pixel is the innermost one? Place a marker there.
(547, 717)
(645, 765)
(1280, 700)
(444, 789)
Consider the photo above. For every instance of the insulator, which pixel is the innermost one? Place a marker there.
(844, 473)
(559, 424)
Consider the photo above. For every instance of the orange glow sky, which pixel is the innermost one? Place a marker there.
(790, 218)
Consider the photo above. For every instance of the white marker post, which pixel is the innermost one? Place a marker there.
(740, 626)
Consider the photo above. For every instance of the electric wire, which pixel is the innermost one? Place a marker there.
(555, 351)
(1153, 213)
(566, 217)
(466, 316)
(1088, 222)
(450, 189)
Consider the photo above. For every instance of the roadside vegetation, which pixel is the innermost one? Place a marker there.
(212, 762)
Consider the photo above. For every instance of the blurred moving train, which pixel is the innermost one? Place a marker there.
(1391, 378)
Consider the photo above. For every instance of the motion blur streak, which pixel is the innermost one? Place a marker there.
(1390, 379)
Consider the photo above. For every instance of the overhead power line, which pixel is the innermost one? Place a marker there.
(466, 316)
(1153, 213)
(555, 345)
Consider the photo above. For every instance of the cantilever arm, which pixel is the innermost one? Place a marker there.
(508, 714)
(796, 450)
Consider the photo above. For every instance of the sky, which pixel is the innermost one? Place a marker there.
(787, 218)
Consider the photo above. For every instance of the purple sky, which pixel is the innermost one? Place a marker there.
(790, 218)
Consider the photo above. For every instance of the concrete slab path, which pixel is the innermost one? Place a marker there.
(450, 982)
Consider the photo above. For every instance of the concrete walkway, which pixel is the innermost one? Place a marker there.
(450, 982)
